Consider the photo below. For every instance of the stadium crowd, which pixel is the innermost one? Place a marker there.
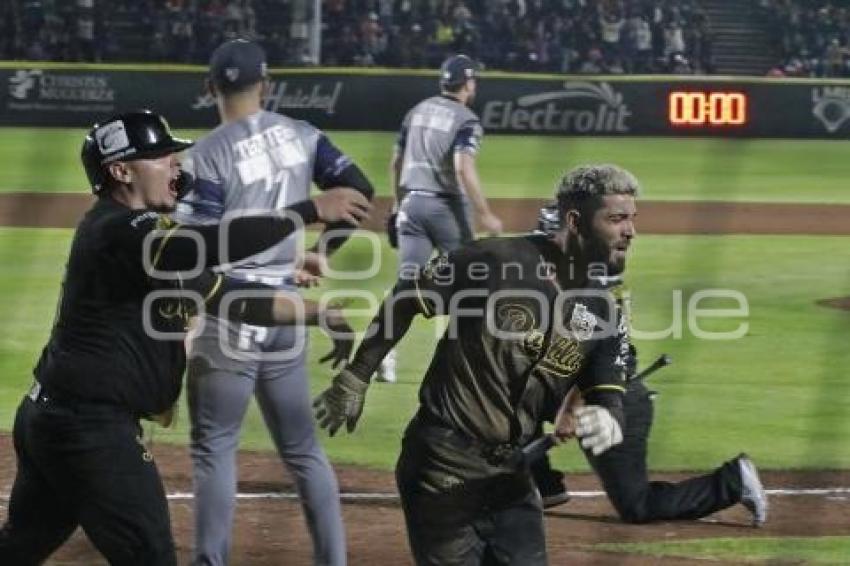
(585, 36)
(812, 35)
(180, 31)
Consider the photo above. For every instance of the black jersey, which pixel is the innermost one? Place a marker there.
(99, 349)
(111, 342)
(517, 341)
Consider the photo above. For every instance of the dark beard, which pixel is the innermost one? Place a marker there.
(616, 267)
(588, 259)
(598, 255)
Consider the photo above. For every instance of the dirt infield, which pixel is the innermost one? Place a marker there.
(840, 303)
(272, 531)
(63, 210)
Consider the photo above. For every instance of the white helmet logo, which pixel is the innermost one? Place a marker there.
(111, 137)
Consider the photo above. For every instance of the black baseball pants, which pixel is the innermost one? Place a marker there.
(83, 464)
(623, 472)
(460, 512)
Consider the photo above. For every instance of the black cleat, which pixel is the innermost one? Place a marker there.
(553, 492)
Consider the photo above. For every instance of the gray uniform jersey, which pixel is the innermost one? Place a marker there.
(257, 164)
(261, 163)
(431, 133)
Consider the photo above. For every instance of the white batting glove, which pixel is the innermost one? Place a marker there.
(597, 429)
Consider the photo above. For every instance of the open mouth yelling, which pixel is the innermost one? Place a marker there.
(172, 188)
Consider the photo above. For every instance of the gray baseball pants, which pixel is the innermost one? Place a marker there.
(428, 221)
(218, 399)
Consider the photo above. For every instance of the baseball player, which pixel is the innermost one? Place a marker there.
(434, 176)
(80, 459)
(258, 160)
(623, 469)
(526, 324)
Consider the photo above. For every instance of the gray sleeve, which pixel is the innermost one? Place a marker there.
(401, 140)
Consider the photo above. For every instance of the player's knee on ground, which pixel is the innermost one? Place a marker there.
(635, 514)
(633, 508)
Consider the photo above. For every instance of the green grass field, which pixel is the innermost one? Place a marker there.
(788, 550)
(511, 166)
(779, 392)
(774, 392)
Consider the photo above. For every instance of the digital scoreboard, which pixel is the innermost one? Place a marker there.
(698, 108)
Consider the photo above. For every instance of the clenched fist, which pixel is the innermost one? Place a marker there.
(597, 429)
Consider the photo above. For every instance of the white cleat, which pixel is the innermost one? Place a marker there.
(753, 496)
(386, 371)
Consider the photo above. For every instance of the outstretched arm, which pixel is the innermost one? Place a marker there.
(343, 401)
(249, 235)
(428, 293)
(261, 305)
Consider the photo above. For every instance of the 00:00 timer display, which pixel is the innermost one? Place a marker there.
(707, 108)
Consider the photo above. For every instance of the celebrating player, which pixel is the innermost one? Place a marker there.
(527, 323)
(80, 459)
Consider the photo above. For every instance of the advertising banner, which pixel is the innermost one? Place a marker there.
(572, 106)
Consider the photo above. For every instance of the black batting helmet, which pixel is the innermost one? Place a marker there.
(549, 219)
(456, 70)
(133, 135)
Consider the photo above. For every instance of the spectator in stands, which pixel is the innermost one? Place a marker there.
(181, 38)
(347, 47)
(834, 56)
(812, 36)
(611, 24)
(444, 36)
(36, 50)
(674, 40)
(86, 47)
(594, 64)
(641, 36)
(32, 18)
(525, 35)
(701, 45)
(679, 65)
(374, 39)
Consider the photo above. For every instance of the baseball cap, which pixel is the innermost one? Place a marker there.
(457, 69)
(237, 64)
(140, 134)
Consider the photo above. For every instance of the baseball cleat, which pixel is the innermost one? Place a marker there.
(553, 492)
(753, 496)
(386, 371)
(555, 499)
